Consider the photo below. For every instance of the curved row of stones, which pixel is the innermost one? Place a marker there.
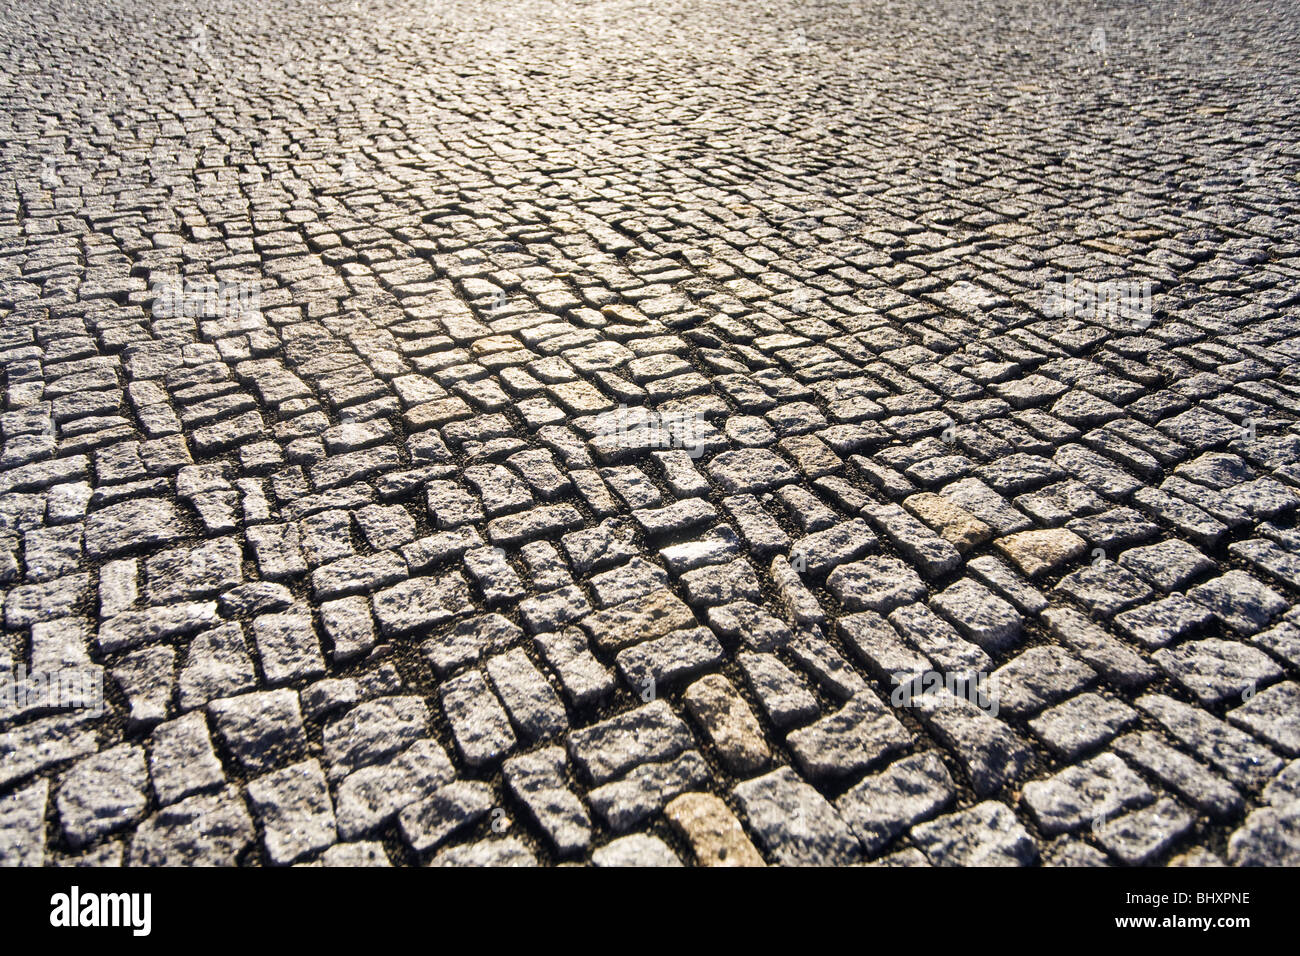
(618, 413)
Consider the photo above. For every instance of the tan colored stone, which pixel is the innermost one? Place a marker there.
(726, 719)
(713, 831)
(1039, 551)
(954, 523)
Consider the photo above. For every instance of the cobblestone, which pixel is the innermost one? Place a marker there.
(562, 434)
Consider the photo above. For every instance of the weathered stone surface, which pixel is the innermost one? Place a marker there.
(338, 438)
(538, 782)
(987, 834)
(1104, 588)
(371, 795)
(198, 572)
(648, 616)
(478, 722)
(22, 825)
(182, 760)
(449, 809)
(534, 706)
(730, 725)
(1079, 796)
(992, 754)
(955, 524)
(1230, 751)
(504, 852)
(1099, 650)
(148, 678)
(1272, 715)
(670, 659)
(750, 470)
(722, 584)
(818, 553)
(853, 738)
(374, 731)
(782, 694)
(713, 831)
(42, 743)
(1038, 677)
(288, 647)
(1168, 565)
(750, 625)
(885, 804)
(1214, 670)
(582, 677)
(364, 853)
(131, 629)
(1240, 601)
(217, 665)
(466, 640)
(980, 614)
(129, 525)
(420, 603)
(199, 831)
(262, 730)
(1039, 551)
(629, 801)
(1268, 838)
(295, 810)
(635, 850)
(1191, 780)
(793, 823)
(1164, 621)
(1081, 724)
(609, 748)
(1137, 838)
(876, 584)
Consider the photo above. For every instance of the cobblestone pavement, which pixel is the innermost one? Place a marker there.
(691, 432)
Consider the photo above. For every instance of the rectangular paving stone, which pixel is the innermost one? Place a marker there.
(670, 659)
(535, 708)
(450, 809)
(419, 603)
(357, 575)
(644, 790)
(793, 823)
(537, 781)
(43, 742)
(992, 754)
(645, 734)
(885, 804)
(859, 734)
(642, 618)
(374, 731)
(987, 834)
(714, 833)
(1229, 750)
(288, 647)
(295, 810)
(1085, 794)
(1190, 779)
(372, 795)
(130, 525)
(478, 723)
(583, 679)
